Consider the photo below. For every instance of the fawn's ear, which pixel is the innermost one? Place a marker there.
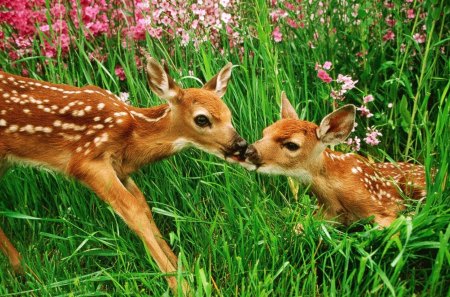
(336, 126)
(219, 82)
(287, 111)
(160, 81)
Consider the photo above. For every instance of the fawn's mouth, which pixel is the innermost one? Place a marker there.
(250, 166)
(237, 156)
(236, 152)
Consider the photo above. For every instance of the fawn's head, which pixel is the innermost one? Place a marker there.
(199, 115)
(292, 146)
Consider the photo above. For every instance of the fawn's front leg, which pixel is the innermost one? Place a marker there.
(133, 189)
(5, 245)
(102, 179)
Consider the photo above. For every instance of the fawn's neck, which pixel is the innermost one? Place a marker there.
(154, 136)
(330, 172)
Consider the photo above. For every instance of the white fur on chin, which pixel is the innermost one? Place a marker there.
(302, 175)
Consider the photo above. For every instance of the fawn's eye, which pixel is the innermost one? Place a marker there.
(291, 146)
(202, 121)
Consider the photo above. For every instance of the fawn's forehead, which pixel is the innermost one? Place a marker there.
(289, 128)
(200, 98)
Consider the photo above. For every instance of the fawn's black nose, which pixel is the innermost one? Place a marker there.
(251, 154)
(239, 147)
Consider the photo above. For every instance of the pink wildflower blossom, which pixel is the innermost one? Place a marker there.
(355, 143)
(372, 137)
(420, 38)
(277, 35)
(292, 23)
(124, 97)
(327, 65)
(389, 36)
(365, 112)
(185, 39)
(389, 5)
(390, 21)
(347, 82)
(368, 98)
(410, 14)
(337, 95)
(323, 75)
(120, 72)
(226, 17)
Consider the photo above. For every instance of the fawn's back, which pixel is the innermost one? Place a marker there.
(356, 188)
(49, 123)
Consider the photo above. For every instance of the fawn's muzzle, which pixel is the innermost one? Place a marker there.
(251, 155)
(238, 148)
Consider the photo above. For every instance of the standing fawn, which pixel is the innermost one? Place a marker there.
(347, 186)
(89, 134)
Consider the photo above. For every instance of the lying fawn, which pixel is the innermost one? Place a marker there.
(89, 134)
(348, 187)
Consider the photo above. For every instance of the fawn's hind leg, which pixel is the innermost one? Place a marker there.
(10, 251)
(5, 245)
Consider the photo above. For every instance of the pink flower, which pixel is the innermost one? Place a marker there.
(390, 21)
(120, 72)
(420, 38)
(355, 143)
(368, 98)
(389, 5)
(343, 78)
(277, 35)
(165, 20)
(58, 10)
(185, 39)
(97, 27)
(91, 12)
(337, 95)
(49, 51)
(389, 36)
(224, 3)
(323, 75)
(372, 137)
(365, 112)
(225, 17)
(347, 82)
(410, 14)
(292, 23)
(44, 28)
(124, 97)
(327, 65)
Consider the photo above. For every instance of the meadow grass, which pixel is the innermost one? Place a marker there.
(233, 229)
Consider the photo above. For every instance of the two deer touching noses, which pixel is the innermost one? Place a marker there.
(89, 134)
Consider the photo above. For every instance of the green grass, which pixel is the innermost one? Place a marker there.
(233, 229)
